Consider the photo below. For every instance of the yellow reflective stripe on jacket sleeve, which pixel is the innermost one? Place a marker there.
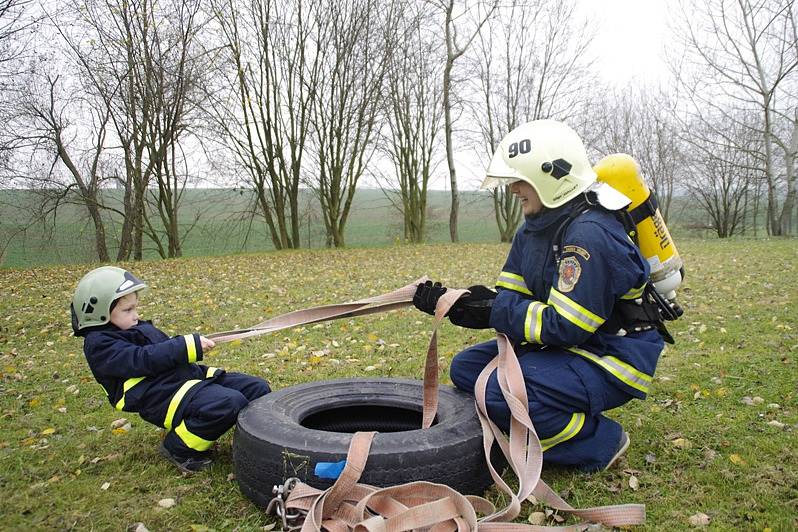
(574, 312)
(210, 372)
(622, 371)
(571, 429)
(175, 402)
(534, 321)
(634, 293)
(125, 387)
(192, 441)
(513, 281)
(191, 348)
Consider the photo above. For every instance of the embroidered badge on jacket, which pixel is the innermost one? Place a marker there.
(576, 249)
(570, 270)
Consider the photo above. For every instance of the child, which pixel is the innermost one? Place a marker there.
(143, 370)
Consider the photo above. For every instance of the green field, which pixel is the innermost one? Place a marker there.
(217, 222)
(716, 436)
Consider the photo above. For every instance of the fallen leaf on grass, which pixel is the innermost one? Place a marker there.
(699, 519)
(122, 430)
(681, 443)
(736, 459)
(105, 486)
(106, 458)
(137, 527)
(48, 431)
(634, 483)
(266, 528)
(537, 518)
(776, 424)
(166, 503)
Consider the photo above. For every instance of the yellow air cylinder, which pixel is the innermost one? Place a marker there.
(622, 173)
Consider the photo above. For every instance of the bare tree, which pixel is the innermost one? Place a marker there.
(455, 48)
(415, 114)
(722, 175)
(174, 66)
(642, 123)
(141, 59)
(272, 68)
(46, 125)
(16, 21)
(527, 74)
(355, 40)
(741, 56)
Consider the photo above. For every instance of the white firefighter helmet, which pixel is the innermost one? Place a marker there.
(96, 292)
(548, 155)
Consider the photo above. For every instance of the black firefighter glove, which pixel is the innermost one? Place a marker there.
(427, 295)
(473, 311)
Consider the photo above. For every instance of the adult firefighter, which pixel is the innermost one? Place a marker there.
(570, 298)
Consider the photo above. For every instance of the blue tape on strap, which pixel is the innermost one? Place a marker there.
(331, 470)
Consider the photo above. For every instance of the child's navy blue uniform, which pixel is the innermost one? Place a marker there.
(143, 370)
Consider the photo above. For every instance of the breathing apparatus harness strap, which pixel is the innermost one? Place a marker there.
(644, 313)
(644, 210)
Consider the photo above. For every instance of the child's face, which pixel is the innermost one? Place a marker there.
(125, 314)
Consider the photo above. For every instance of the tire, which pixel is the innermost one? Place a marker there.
(285, 433)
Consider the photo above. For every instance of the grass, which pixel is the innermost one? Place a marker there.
(696, 445)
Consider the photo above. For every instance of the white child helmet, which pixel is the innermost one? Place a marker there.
(548, 155)
(96, 292)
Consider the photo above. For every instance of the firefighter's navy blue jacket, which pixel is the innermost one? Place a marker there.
(143, 370)
(553, 314)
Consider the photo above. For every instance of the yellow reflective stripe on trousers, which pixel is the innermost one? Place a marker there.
(175, 402)
(634, 293)
(571, 429)
(534, 321)
(191, 348)
(622, 371)
(210, 372)
(574, 312)
(192, 441)
(125, 387)
(513, 281)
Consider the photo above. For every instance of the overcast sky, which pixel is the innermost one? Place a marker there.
(630, 36)
(629, 43)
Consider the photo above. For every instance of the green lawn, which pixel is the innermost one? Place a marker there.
(717, 434)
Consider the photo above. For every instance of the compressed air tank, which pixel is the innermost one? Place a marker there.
(621, 172)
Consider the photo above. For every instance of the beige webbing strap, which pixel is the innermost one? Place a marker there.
(524, 451)
(348, 505)
(381, 303)
(431, 364)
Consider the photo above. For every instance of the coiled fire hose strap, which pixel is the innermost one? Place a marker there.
(348, 505)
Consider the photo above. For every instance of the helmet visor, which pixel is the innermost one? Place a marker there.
(499, 173)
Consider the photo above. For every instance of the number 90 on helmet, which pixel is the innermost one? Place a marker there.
(96, 292)
(548, 155)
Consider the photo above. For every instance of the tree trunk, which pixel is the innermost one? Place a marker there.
(447, 113)
(99, 232)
